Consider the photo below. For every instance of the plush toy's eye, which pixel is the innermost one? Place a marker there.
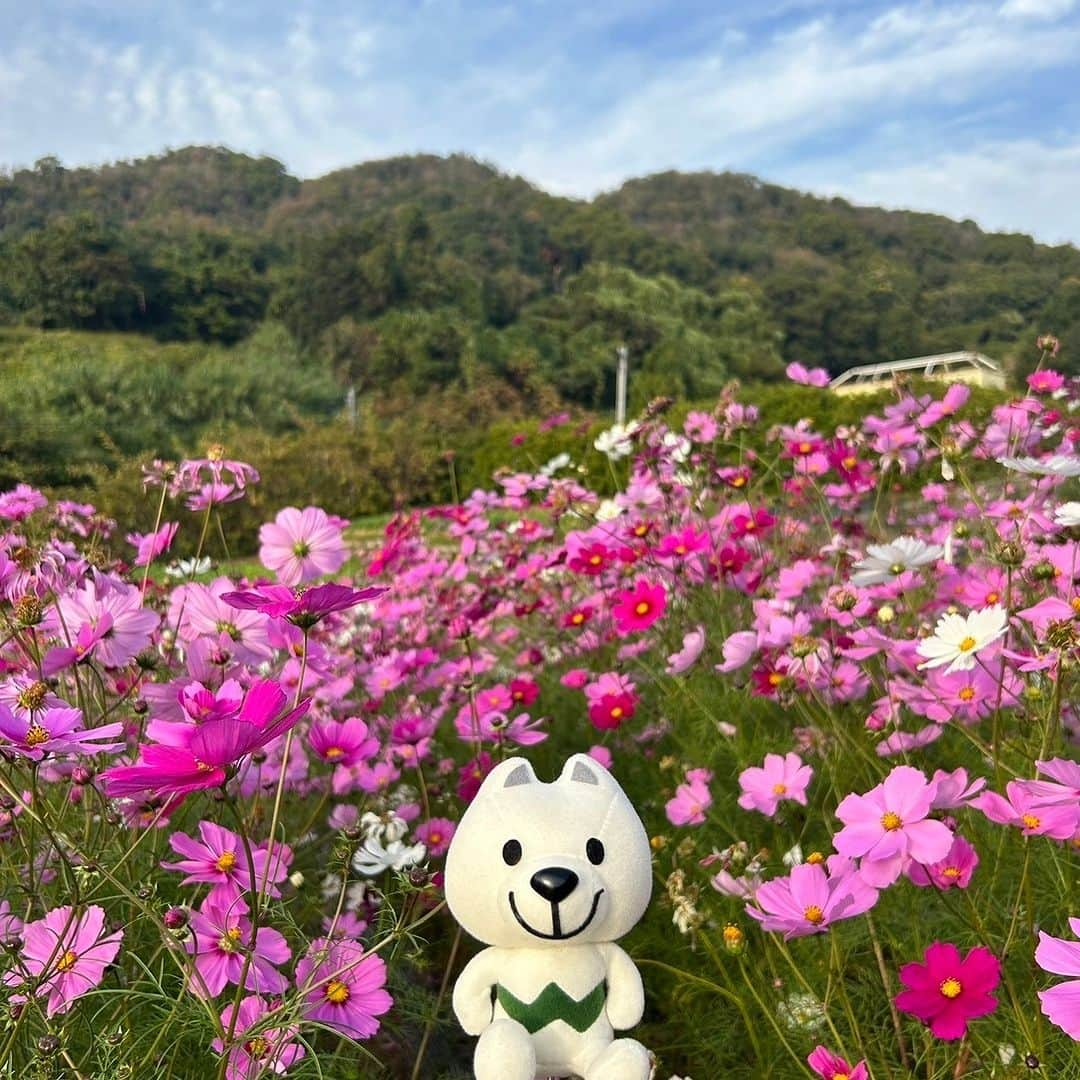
(595, 850)
(512, 852)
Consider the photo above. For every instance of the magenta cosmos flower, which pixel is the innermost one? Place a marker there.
(888, 827)
(302, 607)
(66, 955)
(214, 747)
(778, 778)
(301, 545)
(219, 859)
(808, 900)
(830, 1066)
(945, 992)
(148, 546)
(56, 731)
(1061, 1003)
(221, 942)
(343, 987)
(638, 608)
(257, 1048)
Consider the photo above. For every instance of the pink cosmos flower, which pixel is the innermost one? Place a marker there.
(301, 545)
(945, 992)
(218, 858)
(779, 778)
(954, 871)
(265, 1050)
(1024, 809)
(797, 373)
(809, 900)
(888, 827)
(638, 608)
(435, 835)
(302, 607)
(66, 955)
(148, 546)
(214, 747)
(221, 940)
(1061, 1003)
(692, 799)
(56, 731)
(342, 742)
(120, 607)
(831, 1067)
(343, 987)
(1046, 382)
(610, 710)
(687, 656)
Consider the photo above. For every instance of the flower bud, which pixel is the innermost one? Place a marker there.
(176, 918)
(81, 775)
(48, 1045)
(1010, 553)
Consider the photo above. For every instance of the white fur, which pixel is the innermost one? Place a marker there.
(568, 941)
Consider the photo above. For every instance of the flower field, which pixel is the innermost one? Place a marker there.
(837, 678)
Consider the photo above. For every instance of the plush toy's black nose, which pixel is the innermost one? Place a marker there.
(555, 883)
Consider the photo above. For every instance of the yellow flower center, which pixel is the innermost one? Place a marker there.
(577, 618)
(849, 463)
(642, 607)
(967, 644)
(257, 1047)
(890, 821)
(595, 560)
(67, 961)
(1074, 603)
(775, 678)
(616, 713)
(680, 549)
(967, 693)
(739, 481)
(226, 861)
(337, 992)
(36, 735)
(951, 988)
(897, 568)
(993, 597)
(332, 753)
(779, 789)
(805, 447)
(732, 934)
(229, 941)
(1030, 821)
(815, 858)
(33, 697)
(814, 914)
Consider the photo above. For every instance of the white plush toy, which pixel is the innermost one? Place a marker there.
(550, 875)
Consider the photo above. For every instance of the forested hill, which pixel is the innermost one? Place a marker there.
(425, 271)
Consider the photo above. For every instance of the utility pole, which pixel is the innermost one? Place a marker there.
(623, 354)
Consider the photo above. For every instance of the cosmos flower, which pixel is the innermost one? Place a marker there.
(1059, 956)
(343, 987)
(302, 607)
(218, 858)
(958, 639)
(1067, 515)
(148, 546)
(884, 562)
(1056, 465)
(945, 991)
(637, 609)
(57, 731)
(829, 1066)
(265, 1050)
(301, 545)
(66, 955)
(765, 787)
(692, 799)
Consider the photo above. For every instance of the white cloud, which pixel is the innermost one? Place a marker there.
(1037, 9)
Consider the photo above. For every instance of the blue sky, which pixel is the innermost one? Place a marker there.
(968, 108)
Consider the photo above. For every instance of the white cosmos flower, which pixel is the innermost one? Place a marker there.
(958, 638)
(188, 568)
(608, 510)
(1058, 465)
(373, 858)
(558, 462)
(1067, 515)
(615, 442)
(883, 562)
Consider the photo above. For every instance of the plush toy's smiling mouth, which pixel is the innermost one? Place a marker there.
(556, 924)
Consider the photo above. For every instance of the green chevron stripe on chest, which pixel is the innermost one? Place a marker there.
(553, 1003)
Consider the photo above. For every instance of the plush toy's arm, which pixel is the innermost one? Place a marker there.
(472, 993)
(625, 994)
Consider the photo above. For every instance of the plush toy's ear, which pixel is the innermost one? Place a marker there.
(514, 772)
(582, 769)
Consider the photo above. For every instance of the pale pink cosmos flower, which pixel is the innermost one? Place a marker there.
(10, 924)
(888, 827)
(798, 373)
(129, 624)
(1023, 808)
(692, 799)
(779, 778)
(302, 545)
(56, 731)
(687, 656)
(809, 899)
(65, 955)
(1061, 1003)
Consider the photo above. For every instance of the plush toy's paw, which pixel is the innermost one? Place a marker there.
(624, 1059)
(505, 1052)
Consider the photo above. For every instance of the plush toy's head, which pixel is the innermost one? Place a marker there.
(536, 864)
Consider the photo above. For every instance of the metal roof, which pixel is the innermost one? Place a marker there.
(927, 364)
